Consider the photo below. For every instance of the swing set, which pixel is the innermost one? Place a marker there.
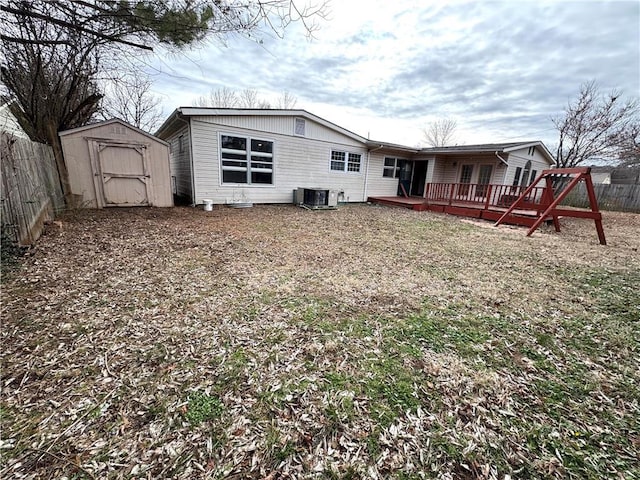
(548, 208)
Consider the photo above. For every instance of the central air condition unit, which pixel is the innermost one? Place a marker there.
(316, 198)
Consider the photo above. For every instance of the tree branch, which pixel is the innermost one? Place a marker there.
(71, 26)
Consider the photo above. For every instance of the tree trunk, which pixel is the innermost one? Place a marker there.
(63, 173)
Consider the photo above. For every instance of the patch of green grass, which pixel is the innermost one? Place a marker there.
(442, 329)
(348, 473)
(203, 408)
(279, 449)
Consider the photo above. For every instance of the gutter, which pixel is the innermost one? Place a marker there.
(366, 173)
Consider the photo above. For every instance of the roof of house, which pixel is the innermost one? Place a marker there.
(109, 122)
(371, 144)
(212, 111)
(506, 147)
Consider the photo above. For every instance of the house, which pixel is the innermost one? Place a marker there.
(113, 163)
(261, 156)
(9, 123)
(601, 174)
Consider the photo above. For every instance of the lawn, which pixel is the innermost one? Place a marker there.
(367, 342)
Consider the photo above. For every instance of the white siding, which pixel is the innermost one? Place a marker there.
(377, 185)
(437, 175)
(446, 172)
(519, 158)
(298, 162)
(9, 123)
(281, 125)
(180, 161)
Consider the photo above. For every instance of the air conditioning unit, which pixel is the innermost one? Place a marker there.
(316, 198)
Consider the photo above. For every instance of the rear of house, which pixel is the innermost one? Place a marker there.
(261, 156)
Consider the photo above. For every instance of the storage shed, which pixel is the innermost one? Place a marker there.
(114, 164)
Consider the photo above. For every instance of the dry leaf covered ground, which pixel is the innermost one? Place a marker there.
(367, 342)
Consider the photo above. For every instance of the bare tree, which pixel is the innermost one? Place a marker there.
(263, 104)
(52, 81)
(630, 151)
(129, 98)
(223, 97)
(595, 127)
(286, 100)
(441, 132)
(248, 98)
(143, 23)
(226, 97)
(52, 51)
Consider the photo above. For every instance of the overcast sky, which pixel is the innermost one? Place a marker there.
(385, 68)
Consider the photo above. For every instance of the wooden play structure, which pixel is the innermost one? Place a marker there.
(548, 206)
(513, 204)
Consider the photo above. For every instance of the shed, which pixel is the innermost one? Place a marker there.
(114, 164)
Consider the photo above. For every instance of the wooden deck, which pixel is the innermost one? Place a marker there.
(524, 218)
(528, 206)
(488, 202)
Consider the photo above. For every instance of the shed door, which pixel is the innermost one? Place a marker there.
(124, 174)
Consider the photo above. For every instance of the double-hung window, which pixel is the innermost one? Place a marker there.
(246, 160)
(345, 162)
(391, 167)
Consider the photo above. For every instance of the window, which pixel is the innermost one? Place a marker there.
(531, 151)
(465, 179)
(299, 127)
(465, 174)
(181, 144)
(516, 178)
(337, 161)
(484, 179)
(354, 162)
(525, 174)
(391, 168)
(345, 161)
(533, 176)
(246, 160)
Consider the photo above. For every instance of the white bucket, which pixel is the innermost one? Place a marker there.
(208, 204)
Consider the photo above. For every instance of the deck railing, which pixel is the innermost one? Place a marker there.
(488, 195)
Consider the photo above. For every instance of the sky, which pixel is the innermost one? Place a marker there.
(385, 69)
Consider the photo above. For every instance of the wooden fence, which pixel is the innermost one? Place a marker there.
(31, 193)
(617, 197)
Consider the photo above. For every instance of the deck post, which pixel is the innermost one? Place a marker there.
(451, 190)
(488, 194)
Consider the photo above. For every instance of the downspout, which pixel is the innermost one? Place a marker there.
(366, 173)
(507, 165)
(501, 159)
(180, 117)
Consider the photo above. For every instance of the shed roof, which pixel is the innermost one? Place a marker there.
(108, 122)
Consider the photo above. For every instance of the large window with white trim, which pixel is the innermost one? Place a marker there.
(345, 161)
(246, 160)
(391, 168)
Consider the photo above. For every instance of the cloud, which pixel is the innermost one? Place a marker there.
(501, 68)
